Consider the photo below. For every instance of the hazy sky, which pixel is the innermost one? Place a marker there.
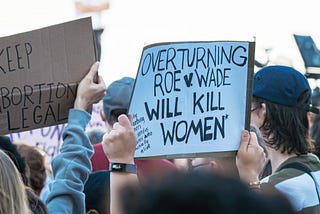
(132, 24)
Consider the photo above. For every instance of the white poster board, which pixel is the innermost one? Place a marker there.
(191, 98)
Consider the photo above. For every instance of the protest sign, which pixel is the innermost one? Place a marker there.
(39, 74)
(49, 139)
(191, 98)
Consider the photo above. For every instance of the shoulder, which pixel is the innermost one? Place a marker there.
(291, 169)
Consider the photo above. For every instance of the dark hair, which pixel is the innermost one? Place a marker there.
(286, 128)
(114, 114)
(315, 134)
(200, 192)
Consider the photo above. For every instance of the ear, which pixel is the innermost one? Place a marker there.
(103, 116)
(92, 211)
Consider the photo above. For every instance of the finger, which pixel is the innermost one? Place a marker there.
(124, 121)
(110, 137)
(245, 138)
(116, 125)
(93, 70)
(130, 116)
(253, 139)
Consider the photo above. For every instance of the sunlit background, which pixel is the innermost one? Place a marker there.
(132, 24)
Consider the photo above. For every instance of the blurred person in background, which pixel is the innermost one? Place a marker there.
(94, 9)
(35, 160)
(13, 196)
(95, 135)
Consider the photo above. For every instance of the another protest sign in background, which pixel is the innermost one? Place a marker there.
(191, 98)
(49, 139)
(39, 73)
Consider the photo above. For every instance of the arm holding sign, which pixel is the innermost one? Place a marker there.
(250, 159)
(72, 166)
(119, 146)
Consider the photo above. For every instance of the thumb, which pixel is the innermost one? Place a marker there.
(93, 70)
(124, 121)
(245, 139)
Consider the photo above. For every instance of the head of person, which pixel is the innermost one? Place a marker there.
(200, 192)
(36, 206)
(12, 194)
(95, 135)
(97, 191)
(280, 105)
(35, 160)
(10, 149)
(116, 100)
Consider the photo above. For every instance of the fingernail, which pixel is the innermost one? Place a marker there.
(245, 133)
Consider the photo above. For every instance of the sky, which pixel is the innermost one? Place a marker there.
(132, 24)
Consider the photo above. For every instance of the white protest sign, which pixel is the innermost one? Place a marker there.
(191, 98)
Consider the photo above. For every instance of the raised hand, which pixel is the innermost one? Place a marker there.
(90, 91)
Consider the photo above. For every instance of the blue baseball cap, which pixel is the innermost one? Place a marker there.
(282, 85)
(118, 95)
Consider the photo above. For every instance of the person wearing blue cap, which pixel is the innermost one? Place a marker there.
(116, 102)
(280, 106)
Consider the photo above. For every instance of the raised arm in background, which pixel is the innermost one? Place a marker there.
(72, 166)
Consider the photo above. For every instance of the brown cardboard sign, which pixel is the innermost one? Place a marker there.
(39, 74)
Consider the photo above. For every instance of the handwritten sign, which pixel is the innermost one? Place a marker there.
(39, 73)
(191, 98)
(49, 139)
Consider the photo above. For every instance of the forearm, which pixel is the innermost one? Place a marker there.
(71, 167)
(119, 146)
(117, 181)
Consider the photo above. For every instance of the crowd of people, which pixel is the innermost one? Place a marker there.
(276, 168)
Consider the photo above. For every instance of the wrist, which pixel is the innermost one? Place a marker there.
(248, 176)
(123, 167)
(121, 160)
(83, 105)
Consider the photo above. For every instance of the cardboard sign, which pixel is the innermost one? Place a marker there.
(49, 139)
(191, 98)
(39, 74)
